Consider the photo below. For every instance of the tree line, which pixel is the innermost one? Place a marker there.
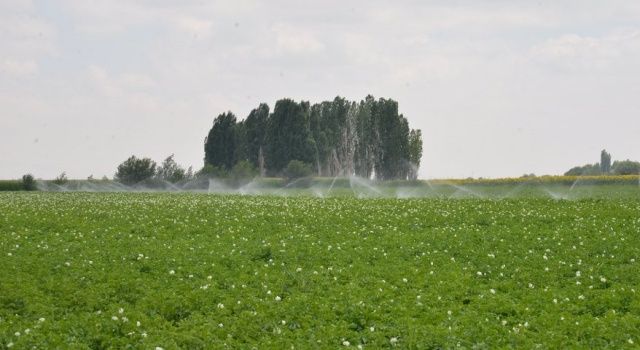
(606, 167)
(368, 138)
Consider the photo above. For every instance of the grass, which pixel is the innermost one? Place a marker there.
(185, 270)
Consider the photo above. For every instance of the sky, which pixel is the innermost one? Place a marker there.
(499, 88)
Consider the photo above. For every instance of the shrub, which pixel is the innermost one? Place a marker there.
(626, 167)
(297, 169)
(134, 170)
(210, 171)
(28, 182)
(61, 179)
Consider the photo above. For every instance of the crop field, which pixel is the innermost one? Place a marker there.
(197, 271)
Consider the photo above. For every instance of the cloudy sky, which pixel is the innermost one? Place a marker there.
(499, 88)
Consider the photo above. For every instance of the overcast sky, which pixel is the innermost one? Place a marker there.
(499, 88)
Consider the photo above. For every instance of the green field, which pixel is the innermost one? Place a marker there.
(199, 271)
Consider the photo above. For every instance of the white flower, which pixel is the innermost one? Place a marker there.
(11, 344)
(220, 325)
(137, 323)
(172, 272)
(144, 334)
(17, 334)
(41, 319)
(346, 343)
(393, 340)
(405, 280)
(603, 280)
(159, 348)
(493, 291)
(299, 269)
(115, 318)
(578, 273)
(220, 306)
(372, 329)
(120, 310)
(277, 298)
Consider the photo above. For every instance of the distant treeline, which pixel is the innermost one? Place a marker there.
(606, 167)
(332, 138)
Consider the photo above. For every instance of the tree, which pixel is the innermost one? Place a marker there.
(605, 162)
(335, 138)
(170, 171)
(61, 179)
(297, 169)
(585, 170)
(220, 144)
(243, 170)
(256, 127)
(368, 138)
(28, 182)
(134, 170)
(415, 153)
(626, 167)
(210, 171)
(288, 137)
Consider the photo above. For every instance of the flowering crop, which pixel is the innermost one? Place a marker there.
(197, 271)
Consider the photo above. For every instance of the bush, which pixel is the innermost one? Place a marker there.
(297, 169)
(170, 171)
(243, 170)
(61, 179)
(210, 171)
(28, 182)
(626, 167)
(134, 170)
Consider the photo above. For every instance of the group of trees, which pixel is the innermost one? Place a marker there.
(134, 170)
(331, 138)
(605, 167)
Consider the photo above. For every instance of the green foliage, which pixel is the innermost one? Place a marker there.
(210, 171)
(11, 185)
(147, 270)
(297, 169)
(134, 170)
(415, 153)
(585, 170)
(28, 182)
(626, 167)
(243, 170)
(170, 171)
(337, 138)
(61, 179)
(256, 127)
(220, 144)
(605, 162)
(288, 135)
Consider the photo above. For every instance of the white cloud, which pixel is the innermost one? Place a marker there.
(576, 52)
(479, 77)
(296, 40)
(18, 68)
(194, 26)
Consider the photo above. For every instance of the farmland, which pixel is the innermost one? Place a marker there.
(195, 270)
